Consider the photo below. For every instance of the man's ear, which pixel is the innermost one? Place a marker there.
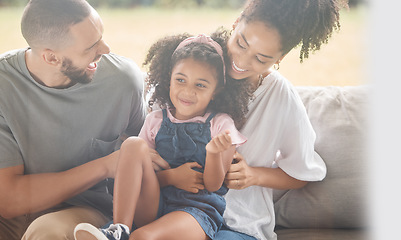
(50, 57)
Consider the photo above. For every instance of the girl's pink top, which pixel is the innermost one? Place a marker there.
(219, 123)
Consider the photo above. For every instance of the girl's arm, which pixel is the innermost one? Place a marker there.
(219, 155)
(241, 176)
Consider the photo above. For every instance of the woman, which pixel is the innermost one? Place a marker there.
(279, 153)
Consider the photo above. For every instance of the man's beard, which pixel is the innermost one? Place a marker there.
(75, 74)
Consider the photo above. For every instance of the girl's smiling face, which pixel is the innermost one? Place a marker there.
(192, 86)
(253, 48)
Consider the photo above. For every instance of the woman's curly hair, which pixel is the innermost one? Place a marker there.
(308, 23)
(231, 98)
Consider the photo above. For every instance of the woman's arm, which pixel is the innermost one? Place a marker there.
(241, 175)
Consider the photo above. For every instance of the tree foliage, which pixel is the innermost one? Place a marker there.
(169, 3)
(157, 3)
(162, 3)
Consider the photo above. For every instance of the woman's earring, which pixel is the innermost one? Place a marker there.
(276, 66)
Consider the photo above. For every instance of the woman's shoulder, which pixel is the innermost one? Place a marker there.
(282, 87)
(276, 97)
(280, 82)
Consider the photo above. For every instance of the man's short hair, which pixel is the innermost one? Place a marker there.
(46, 23)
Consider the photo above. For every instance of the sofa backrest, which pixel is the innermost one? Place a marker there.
(339, 118)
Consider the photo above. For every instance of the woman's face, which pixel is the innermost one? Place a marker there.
(253, 49)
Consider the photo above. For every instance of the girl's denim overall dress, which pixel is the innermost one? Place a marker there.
(179, 143)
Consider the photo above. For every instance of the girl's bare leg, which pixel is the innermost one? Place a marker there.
(176, 225)
(136, 188)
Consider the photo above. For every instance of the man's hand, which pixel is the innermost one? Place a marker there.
(158, 162)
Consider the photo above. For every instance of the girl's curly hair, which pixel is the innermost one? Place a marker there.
(308, 23)
(231, 98)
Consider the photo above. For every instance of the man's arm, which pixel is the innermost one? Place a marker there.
(22, 194)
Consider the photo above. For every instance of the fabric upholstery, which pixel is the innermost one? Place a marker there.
(338, 116)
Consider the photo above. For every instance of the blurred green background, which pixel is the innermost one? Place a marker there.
(131, 26)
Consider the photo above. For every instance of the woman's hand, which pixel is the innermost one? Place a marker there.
(240, 175)
(184, 177)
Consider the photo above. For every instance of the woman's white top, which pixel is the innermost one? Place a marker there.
(279, 135)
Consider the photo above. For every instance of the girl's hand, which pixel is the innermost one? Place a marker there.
(187, 179)
(240, 175)
(219, 143)
(158, 162)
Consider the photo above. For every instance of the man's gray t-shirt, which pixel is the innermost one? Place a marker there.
(53, 130)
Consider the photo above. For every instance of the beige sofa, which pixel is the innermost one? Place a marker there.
(334, 208)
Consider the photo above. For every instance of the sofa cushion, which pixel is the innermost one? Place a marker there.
(321, 234)
(338, 116)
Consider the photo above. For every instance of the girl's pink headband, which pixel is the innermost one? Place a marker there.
(201, 38)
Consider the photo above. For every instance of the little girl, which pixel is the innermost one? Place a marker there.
(194, 125)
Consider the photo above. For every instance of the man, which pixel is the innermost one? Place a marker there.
(65, 105)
